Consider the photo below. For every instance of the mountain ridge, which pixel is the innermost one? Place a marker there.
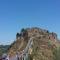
(44, 43)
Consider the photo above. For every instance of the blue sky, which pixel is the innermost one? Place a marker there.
(17, 14)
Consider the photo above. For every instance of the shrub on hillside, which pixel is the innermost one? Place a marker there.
(49, 43)
(56, 53)
(17, 35)
(24, 33)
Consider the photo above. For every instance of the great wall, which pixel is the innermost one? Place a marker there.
(43, 39)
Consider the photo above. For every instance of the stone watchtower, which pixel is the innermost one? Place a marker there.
(53, 36)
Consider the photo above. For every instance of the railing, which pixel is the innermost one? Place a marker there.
(26, 50)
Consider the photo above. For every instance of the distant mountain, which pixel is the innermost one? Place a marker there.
(3, 49)
(46, 45)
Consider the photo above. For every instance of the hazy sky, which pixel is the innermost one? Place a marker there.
(16, 14)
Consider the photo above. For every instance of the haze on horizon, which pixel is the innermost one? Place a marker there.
(16, 14)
